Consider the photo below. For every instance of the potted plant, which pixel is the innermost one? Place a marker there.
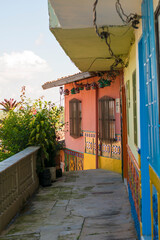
(66, 92)
(107, 82)
(73, 91)
(94, 85)
(54, 160)
(88, 86)
(50, 162)
(101, 83)
(81, 86)
(43, 133)
(77, 90)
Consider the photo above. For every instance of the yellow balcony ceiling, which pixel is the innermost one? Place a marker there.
(71, 22)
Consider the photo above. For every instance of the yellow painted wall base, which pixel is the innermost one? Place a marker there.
(89, 161)
(110, 164)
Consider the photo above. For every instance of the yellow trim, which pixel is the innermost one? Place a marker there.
(151, 208)
(154, 179)
(141, 228)
(158, 196)
(139, 160)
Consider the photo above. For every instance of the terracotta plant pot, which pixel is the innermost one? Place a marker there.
(66, 92)
(81, 87)
(87, 86)
(77, 90)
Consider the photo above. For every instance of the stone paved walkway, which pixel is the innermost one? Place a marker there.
(86, 205)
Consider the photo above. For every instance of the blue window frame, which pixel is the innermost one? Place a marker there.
(151, 85)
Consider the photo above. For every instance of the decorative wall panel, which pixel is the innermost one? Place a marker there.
(106, 150)
(134, 187)
(73, 160)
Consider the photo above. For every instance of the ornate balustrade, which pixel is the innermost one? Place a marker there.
(18, 181)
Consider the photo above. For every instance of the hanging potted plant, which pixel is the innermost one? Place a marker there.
(73, 91)
(87, 86)
(66, 92)
(101, 83)
(94, 85)
(81, 86)
(107, 82)
(77, 90)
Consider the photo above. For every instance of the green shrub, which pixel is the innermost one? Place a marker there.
(32, 123)
(15, 131)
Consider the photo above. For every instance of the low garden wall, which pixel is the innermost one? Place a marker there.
(18, 181)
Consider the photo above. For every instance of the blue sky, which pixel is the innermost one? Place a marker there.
(29, 53)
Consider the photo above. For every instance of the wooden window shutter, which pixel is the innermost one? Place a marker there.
(75, 117)
(106, 119)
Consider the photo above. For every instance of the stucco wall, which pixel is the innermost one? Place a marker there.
(88, 99)
(133, 64)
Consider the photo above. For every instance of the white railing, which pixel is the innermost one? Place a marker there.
(18, 181)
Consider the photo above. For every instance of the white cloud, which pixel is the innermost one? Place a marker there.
(19, 69)
(21, 65)
(39, 41)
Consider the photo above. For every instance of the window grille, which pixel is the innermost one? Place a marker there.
(107, 119)
(134, 106)
(75, 117)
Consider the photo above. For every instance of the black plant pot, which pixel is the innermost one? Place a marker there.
(45, 178)
(58, 172)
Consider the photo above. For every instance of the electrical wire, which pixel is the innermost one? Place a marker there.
(132, 18)
(95, 18)
(106, 36)
(124, 17)
(107, 58)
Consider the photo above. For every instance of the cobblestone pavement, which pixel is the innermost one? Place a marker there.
(84, 205)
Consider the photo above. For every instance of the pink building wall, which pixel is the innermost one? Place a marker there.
(88, 100)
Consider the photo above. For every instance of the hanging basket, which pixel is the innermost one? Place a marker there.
(101, 85)
(77, 90)
(73, 91)
(66, 92)
(94, 85)
(87, 86)
(107, 82)
(81, 87)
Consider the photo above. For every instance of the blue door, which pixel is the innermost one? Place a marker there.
(149, 113)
